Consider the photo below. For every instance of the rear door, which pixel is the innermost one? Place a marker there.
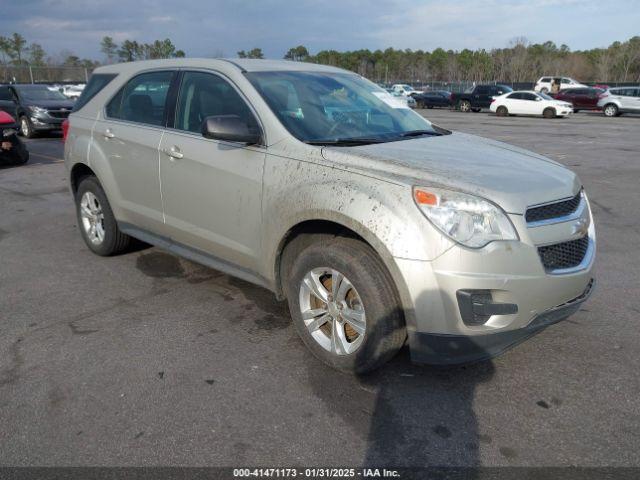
(481, 96)
(212, 189)
(129, 135)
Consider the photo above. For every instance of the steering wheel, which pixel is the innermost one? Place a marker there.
(341, 120)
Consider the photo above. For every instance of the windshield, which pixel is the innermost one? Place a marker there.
(40, 93)
(319, 107)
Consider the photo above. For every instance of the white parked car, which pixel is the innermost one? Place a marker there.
(72, 91)
(528, 102)
(404, 89)
(544, 84)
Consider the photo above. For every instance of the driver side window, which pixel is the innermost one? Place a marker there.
(203, 95)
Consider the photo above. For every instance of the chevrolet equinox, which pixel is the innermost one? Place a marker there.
(377, 226)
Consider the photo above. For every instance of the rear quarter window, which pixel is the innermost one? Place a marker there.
(96, 83)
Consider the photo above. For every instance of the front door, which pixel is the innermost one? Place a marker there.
(8, 102)
(129, 136)
(212, 190)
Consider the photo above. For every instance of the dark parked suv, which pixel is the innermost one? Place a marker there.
(37, 108)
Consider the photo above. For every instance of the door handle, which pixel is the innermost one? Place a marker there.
(109, 134)
(174, 152)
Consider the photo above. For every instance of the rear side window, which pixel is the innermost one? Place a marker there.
(96, 83)
(142, 99)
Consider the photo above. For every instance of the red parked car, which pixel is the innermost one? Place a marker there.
(581, 98)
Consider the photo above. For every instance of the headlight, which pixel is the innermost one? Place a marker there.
(34, 109)
(466, 219)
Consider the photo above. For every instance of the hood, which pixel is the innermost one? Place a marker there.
(510, 176)
(50, 104)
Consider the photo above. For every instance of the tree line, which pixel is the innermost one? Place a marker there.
(520, 61)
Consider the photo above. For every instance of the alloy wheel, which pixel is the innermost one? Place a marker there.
(92, 218)
(332, 311)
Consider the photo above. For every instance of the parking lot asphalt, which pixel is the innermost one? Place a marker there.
(147, 359)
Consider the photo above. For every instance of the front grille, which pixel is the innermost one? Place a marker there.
(564, 255)
(553, 210)
(59, 113)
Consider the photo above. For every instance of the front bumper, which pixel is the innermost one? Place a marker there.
(439, 349)
(516, 295)
(45, 122)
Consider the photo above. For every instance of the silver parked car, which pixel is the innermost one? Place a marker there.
(374, 224)
(617, 101)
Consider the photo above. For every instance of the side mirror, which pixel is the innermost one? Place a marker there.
(229, 128)
(538, 99)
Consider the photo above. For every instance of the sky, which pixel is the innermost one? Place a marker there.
(205, 28)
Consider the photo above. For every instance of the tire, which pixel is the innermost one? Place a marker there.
(18, 155)
(476, 110)
(112, 241)
(502, 111)
(544, 90)
(610, 110)
(549, 112)
(430, 107)
(26, 129)
(369, 295)
(465, 106)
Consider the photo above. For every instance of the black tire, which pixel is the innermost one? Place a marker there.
(26, 129)
(610, 110)
(549, 112)
(18, 155)
(429, 107)
(114, 241)
(544, 90)
(385, 331)
(476, 110)
(502, 111)
(465, 106)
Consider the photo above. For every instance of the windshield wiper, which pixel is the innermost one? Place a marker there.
(417, 133)
(347, 142)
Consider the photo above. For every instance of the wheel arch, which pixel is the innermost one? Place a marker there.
(343, 227)
(79, 172)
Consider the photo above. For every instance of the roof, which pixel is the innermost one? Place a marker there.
(243, 64)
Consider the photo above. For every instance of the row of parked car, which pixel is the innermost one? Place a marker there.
(503, 100)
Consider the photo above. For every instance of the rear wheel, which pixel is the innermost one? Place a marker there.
(344, 304)
(544, 90)
(549, 112)
(465, 106)
(610, 110)
(502, 111)
(97, 223)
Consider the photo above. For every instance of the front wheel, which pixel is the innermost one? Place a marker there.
(26, 129)
(465, 106)
(97, 223)
(344, 305)
(549, 113)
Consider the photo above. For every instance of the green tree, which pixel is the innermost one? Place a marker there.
(36, 55)
(109, 48)
(253, 53)
(297, 54)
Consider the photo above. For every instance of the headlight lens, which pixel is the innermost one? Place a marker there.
(35, 109)
(466, 219)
